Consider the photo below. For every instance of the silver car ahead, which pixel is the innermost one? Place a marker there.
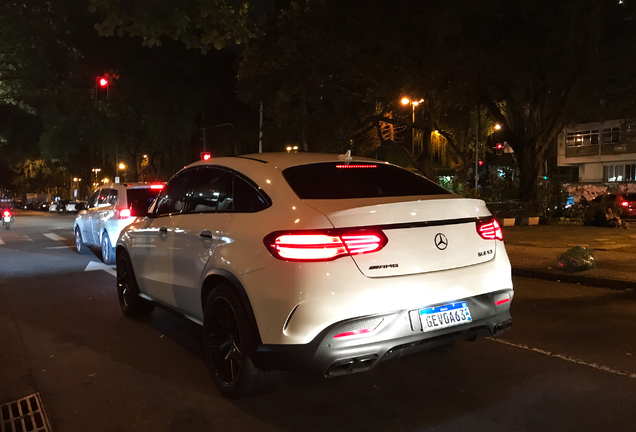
(109, 210)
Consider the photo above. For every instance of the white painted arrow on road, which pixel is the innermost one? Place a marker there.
(94, 265)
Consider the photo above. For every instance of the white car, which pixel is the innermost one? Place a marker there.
(109, 210)
(315, 263)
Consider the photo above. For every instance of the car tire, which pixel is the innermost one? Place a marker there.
(108, 253)
(81, 247)
(128, 291)
(230, 346)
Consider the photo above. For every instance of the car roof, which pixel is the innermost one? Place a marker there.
(284, 160)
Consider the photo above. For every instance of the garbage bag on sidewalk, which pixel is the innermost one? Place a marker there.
(576, 259)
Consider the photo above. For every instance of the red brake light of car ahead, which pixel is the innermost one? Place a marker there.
(124, 213)
(323, 245)
(489, 229)
(625, 203)
(156, 186)
(7, 213)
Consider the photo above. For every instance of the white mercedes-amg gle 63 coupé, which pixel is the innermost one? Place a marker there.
(316, 263)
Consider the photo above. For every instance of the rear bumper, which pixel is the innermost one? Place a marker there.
(400, 334)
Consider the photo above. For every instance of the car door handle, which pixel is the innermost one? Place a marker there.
(206, 234)
(163, 230)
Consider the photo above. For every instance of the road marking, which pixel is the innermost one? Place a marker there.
(27, 238)
(566, 358)
(54, 237)
(94, 265)
(57, 247)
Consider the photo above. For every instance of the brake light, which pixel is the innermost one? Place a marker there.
(489, 229)
(625, 203)
(7, 213)
(356, 166)
(124, 213)
(323, 246)
(156, 186)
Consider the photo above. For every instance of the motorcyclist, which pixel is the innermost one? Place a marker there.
(6, 210)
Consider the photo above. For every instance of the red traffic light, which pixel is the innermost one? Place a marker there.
(206, 156)
(481, 162)
(499, 146)
(103, 82)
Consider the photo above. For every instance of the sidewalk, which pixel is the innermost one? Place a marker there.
(534, 250)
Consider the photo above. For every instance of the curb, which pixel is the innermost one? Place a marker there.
(574, 279)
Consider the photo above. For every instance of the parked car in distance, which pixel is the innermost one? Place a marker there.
(109, 210)
(53, 206)
(318, 263)
(626, 201)
(74, 206)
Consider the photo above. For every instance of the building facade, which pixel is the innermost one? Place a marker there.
(603, 152)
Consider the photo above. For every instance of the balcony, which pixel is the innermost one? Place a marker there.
(607, 149)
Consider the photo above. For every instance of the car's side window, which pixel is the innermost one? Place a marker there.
(92, 201)
(102, 200)
(246, 197)
(212, 191)
(173, 197)
(112, 197)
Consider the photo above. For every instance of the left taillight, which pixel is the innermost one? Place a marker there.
(323, 245)
(124, 214)
(7, 213)
(489, 229)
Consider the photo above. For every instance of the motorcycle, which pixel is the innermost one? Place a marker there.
(7, 218)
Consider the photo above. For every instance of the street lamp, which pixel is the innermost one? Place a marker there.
(497, 126)
(205, 144)
(414, 103)
(96, 171)
(76, 180)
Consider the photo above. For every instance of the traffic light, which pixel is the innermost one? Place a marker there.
(499, 149)
(102, 84)
(481, 162)
(206, 156)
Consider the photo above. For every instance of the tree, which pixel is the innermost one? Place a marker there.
(525, 63)
(201, 24)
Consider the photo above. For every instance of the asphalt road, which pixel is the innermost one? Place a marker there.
(568, 364)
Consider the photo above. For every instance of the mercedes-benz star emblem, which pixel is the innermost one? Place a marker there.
(441, 241)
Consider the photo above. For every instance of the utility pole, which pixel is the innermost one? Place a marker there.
(260, 131)
(477, 151)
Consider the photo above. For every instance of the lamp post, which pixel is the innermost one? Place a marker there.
(413, 103)
(203, 129)
(73, 193)
(96, 171)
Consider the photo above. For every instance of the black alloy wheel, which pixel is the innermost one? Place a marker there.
(223, 338)
(127, 290)
(230, 347)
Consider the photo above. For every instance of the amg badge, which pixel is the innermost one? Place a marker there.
(383, 266)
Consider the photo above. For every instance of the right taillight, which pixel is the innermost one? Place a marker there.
(124, 214)
(625, 203)
(489, 229)
(323, 245)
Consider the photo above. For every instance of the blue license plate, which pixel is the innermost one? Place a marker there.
(448, 315)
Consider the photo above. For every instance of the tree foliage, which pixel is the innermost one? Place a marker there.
(202, 24)
(333, 66)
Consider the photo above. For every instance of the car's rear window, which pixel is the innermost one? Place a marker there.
(342, 180)
(139, 199)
